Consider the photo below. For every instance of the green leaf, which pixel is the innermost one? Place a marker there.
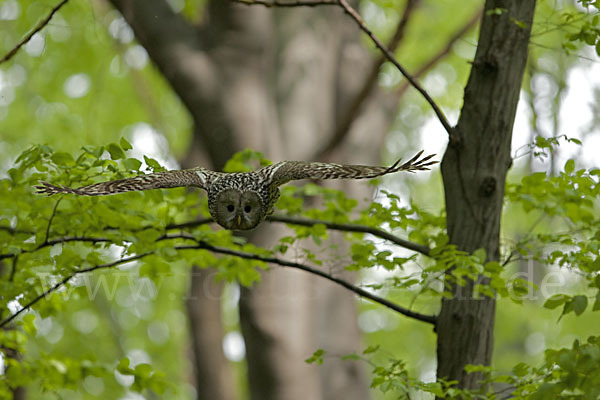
(371, 349)
(28, 324)
(247, 276)
(480, 255)
(496, 11)
(242, 160)
(521, 369)
(317, 357)
(132, 164)
(470, 368)
(556, 300)
(123, 366)
(125, 145)
(143, 370)
(116, 153)
(62, 158)
(579, 304)
(569, 166)
(153, 164)
(352, 356)
(520, 24)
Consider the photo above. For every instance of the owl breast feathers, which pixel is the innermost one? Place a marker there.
(241, 201)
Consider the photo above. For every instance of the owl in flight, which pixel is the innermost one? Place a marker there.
(241, 201)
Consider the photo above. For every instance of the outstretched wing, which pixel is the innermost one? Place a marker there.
(168, 179)
(287, 171)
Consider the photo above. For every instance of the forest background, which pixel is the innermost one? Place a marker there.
(103, 91)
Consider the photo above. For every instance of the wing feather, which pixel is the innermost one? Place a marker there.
(287, 171)
(169, 179)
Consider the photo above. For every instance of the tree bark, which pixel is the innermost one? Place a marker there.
(213, 374)
(474, 170)
(265, 79)
(288, 315)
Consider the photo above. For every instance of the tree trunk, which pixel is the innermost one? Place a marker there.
(474, 170)
(289, 315)
(211, 368)
(265, 79)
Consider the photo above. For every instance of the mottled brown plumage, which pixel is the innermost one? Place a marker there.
(240, 201)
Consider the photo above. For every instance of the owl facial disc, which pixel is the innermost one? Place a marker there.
(237, 210)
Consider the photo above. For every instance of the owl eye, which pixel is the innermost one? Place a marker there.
(230, 208)
(247, 209)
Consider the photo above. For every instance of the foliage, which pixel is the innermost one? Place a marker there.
(147, 226)
(49, 240)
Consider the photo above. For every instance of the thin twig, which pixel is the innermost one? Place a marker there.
(431, 319)
(13, 270)
(190, 224)
(272, 218)
(291, 3)
(351, 113)
(87, 239)
(391, 58)
(432, 62)
(352, 228)
(38, 28)
(67, 279)
(51, 219)
(54, 241)
(12, 231)
(388, 54)
(200, 245)
(524, 240)
(67, 239)
(329, 225)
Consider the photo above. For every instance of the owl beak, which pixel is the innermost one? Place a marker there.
(239, 220)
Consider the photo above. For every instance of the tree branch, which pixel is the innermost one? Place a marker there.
(432, 62)
(67, 279)
(351, 113)
(38, 28)
(88, 239)
(425, 250)
(390, 56)
(330, 225)
(290, 3)
(12, 231)
(60, 240)
(178, 50)
(387, 53)
(190, 224)
(431, 319)
(51, 219)
(352, 228)
(200, 245)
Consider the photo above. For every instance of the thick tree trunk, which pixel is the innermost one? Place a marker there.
(474, 170)
(211, 368)
(265, 79)
(212, 371)
(290, 314)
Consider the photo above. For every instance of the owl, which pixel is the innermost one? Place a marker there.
(241, 201)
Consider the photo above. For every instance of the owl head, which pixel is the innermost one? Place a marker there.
(238, 210)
